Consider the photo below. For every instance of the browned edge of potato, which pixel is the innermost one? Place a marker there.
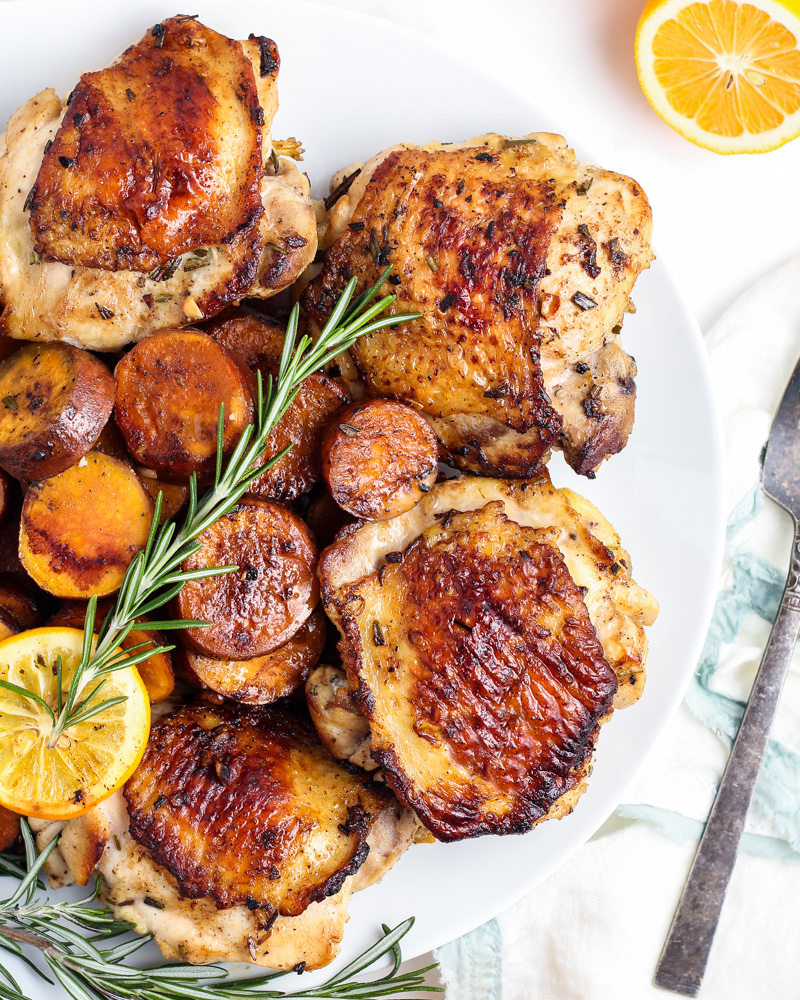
(55, 400)
(265, 601)
(379, 458)
(81, 529)
(262, 679)
(170, 387)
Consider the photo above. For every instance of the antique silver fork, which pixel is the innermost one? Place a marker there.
(683, 961)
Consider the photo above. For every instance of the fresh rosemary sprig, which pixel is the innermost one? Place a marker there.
(155, 575)
(89, 967)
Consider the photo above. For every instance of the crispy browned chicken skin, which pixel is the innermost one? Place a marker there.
(238, 838)
(486, 635)
(521, 261)
(151, 198)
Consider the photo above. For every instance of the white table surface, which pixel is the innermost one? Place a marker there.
(720, 221)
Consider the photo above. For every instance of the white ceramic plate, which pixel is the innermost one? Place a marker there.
(349, 86)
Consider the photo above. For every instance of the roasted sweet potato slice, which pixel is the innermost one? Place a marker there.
(5, 489)
(259, 606)
(9, 828)
(173, 495)
(20, 602)
(8, 625)
(156, 672)
(379, 458)
(302, 427)
(264, 679)
(326, 518)
(54, 401)
(81, 529)
(254, 337)
(169, 390)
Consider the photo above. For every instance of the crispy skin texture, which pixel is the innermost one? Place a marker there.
(197, 930)
(301, 428)
(475, 337)
(438, 693)
(81, 529)
(263, 679)
(259, 607)
(244, 805)
(483, 635)
(379, 458)
(62, 399)
(169, 391)
(103, 309)
(493, 239)
(124, 186)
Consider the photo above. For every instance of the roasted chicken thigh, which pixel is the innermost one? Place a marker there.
(238, 838)
(486, 635)
(521, 261)
(151, 197)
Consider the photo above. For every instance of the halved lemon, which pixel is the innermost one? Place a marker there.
(725, 75)
(91, 759)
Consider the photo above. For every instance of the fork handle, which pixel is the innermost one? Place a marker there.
(685, 955)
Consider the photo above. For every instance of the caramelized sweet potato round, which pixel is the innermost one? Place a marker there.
(5, 489)
(264, 602)
(326, 518)
(9, 828)
(379, 458)
(254, 337)
(302, 427)
(264, 679)
(8, 625)
(173, 495)
(81, 529)
(20, 602)
(54, 402)
(156, 671)
(169, 390)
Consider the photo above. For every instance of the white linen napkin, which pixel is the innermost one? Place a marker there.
(594, 930)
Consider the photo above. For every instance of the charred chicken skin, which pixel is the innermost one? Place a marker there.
(238, 838)
(150, 198)
(521, 261)
(486, 635)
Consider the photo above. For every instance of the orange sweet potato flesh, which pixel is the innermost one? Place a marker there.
(9, 828)
(254, 337)
(81, 529)
(302, 426)
(169, 390)
(54, 402)
(264, 679)
(156, 671)
(267, 599)
(173, 495)
(379, 458)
